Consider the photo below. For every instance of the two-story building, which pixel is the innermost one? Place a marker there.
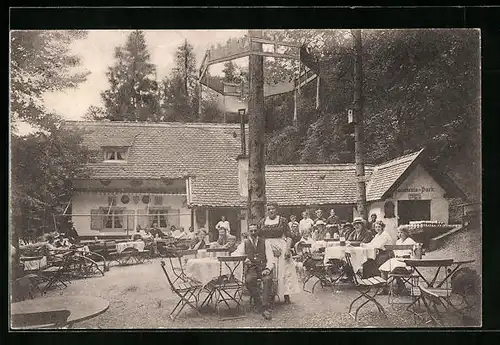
(190, 174)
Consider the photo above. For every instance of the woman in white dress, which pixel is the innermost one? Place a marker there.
(275, 230)
(399, 255)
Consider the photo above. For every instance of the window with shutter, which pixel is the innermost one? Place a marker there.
(95, 220)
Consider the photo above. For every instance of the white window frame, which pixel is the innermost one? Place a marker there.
(115, 151)
(156, 213)
(114, 214)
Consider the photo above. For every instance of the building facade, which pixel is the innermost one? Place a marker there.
(190, 175)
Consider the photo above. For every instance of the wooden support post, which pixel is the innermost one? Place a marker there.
(317, 92)
(295, 107)
(224, 104)
(358, 124)
(256, 130)
(200, 98)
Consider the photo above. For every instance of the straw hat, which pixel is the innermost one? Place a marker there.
(319, 222)
(358, 220)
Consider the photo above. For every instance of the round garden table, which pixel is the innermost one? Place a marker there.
(80, 307)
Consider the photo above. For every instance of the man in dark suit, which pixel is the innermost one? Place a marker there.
(259, 264)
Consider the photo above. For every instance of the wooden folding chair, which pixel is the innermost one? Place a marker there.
(111, 252)
(182, 257)
(364, 287)
(186, 289)
(406, 276)
(433, 299)
(57, 276)
(314, 266)
(50, 319)
(228, 288)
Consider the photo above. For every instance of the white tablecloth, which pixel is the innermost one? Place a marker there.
(33, 265)
(202, 253)
(139, 245)
(324, 244)
(206, 269)
(359, 255)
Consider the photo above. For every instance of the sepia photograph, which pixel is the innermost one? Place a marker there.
(245, 179)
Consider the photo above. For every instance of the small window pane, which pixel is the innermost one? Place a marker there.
(163, 221)
(109, 222)
(119, 155)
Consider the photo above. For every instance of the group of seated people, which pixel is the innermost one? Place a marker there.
(196, 240)
(370, 234)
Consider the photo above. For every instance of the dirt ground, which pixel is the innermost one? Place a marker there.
(140, 297)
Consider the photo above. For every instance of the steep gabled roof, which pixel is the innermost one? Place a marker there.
(162, 150)
(389, 175)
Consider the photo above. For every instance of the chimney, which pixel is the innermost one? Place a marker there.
(242, 132)
(242, 159)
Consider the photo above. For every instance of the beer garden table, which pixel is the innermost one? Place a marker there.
(80, 307)
(139, 245)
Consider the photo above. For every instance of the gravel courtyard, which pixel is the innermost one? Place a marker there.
(140, 297)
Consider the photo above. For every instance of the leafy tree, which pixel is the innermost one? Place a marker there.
(179, 91)
(95, 113)
(230, 72)
(43, 166)
(210, 111)
(41, 61)
(133, 92)
(43, 163)
(421, 90)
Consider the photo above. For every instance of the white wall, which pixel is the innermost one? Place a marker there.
(84, 202)
(420, 183)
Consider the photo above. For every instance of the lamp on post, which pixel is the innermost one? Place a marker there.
(242, 128)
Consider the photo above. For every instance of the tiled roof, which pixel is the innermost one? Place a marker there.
(172, 150)
(312, 184)
(386, 174)
(208, 152)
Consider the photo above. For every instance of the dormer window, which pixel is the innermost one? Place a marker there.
(115, 154)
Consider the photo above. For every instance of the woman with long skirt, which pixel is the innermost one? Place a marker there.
(275, 230)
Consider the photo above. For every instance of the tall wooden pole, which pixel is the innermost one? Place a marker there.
(256, 130)
(358, 124)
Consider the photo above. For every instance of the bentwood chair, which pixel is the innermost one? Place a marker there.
(365, 288)
(185, 288)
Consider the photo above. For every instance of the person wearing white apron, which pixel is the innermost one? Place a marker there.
(275, 230)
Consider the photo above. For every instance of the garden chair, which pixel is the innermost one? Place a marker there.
(314, 266)
(365, 288)
(228, 288)
(182, 257)
(405, 276)
(52, 319)
(112, 254)
(185, 288)
(439, 301)
(57, 275)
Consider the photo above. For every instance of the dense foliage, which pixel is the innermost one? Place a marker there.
(421, 89)
(42, 164)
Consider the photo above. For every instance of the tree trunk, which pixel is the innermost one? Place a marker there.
(358, 127)
(186, 67)
(256, 132)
